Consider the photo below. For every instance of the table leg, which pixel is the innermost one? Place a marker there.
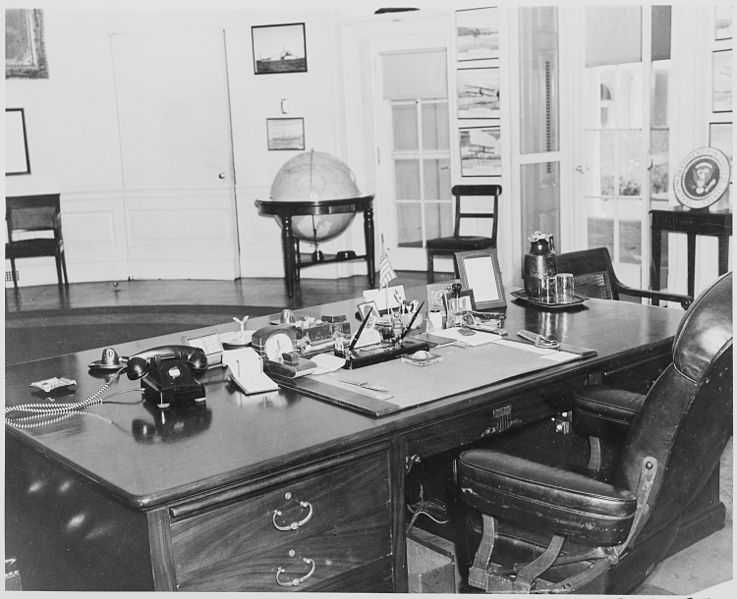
(368, 232)
(723, 241)
(655, 249)
(691, 250)
(287, 242)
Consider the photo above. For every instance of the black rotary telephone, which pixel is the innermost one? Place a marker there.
(167, 373)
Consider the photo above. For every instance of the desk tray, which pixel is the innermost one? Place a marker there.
(523, 296)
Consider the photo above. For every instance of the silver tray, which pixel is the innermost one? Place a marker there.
(523, 296)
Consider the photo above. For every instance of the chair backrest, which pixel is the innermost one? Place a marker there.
(32, 213)
(592, 270)
(491, 191)
(686, 419)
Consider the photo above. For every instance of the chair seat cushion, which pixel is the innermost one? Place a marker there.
(28, 248)
(462, 242)
(543, 497)
(605, 412)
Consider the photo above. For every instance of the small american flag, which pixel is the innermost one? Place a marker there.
(386, 272)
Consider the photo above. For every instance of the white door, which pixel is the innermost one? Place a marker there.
(177, 160)
(413, 150)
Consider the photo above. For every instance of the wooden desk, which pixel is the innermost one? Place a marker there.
(122, 498)
(692, 223)
(294, 261)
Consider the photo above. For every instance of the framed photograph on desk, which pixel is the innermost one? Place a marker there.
(479, 271)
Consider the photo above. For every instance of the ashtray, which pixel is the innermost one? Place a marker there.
(236, 338)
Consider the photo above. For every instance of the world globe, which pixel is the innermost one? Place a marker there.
(316, 176)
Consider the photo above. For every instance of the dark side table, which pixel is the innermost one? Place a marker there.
(691, 222)
(293, 259)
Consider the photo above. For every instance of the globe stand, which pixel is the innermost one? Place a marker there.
(285, 210)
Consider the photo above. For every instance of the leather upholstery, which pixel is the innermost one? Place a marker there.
(683, 423)
(534, 495)
(463, 242)
(604, 412)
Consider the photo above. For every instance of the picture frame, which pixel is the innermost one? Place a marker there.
(279, 48)
(285, 133)
(721, 84)
(722, 22)
(466, 297)
(25, 48)
(477, 34)
(17, 159)
(480, 149)
(479, 272)
(436, 294)
(478, 93)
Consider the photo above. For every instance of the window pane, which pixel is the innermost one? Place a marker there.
(407, 179)
(601, 233)
(438, 220)
(437, 178)
(659, 181)
(539, 79)
(435, 126)
(404, 117)
(629, 152)
(540, 200)
(409, 233)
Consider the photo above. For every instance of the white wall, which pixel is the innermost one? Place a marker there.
(74, 141)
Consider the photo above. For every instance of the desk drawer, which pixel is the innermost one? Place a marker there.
(342, 521)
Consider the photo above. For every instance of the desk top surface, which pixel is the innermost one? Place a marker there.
(235, 437)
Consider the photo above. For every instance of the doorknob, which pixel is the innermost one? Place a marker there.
(221, 176)
(580, 169)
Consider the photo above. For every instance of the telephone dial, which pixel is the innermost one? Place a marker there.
(167, 374)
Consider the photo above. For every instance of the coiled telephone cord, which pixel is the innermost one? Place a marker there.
(51, 410)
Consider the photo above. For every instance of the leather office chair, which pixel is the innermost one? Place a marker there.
(594, 276)
(36, 214)
(604, 534)
(448, 246)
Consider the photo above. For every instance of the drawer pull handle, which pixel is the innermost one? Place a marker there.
(296, 581)
(296, 524)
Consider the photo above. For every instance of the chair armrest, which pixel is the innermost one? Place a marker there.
(543, 497)
(684, 300)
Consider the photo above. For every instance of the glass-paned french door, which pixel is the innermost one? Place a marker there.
(421, 164)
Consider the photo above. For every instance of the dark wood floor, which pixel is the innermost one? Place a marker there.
(242, 292)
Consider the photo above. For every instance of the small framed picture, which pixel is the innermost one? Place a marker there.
(285, 134)
(466, 300)
(477, 34)
(279, 48)
(436, 294)
(479, 270)
(481, 154)
(478, 93)
(17, 161)
(721, 85)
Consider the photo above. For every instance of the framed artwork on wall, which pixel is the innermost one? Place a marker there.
(478, 93)
(477, 34)
(285, 134)
(480, 151)
(721, 85)
(17, 161)
(25, 50)
(279, 48)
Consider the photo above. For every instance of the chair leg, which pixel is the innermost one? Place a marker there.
(57, 259)
(14, 273)
(64, 268)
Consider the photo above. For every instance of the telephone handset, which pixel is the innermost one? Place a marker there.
(167, 373)
(140, 364)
